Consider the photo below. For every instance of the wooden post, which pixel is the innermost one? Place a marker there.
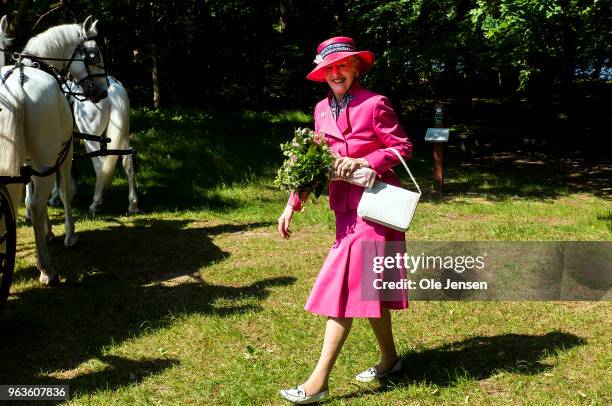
(438, 150)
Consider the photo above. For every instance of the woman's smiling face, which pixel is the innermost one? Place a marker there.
(341, 74)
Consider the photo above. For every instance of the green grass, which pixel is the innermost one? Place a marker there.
(198, 301)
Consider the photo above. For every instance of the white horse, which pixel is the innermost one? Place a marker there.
(36, 123)
(111, 116)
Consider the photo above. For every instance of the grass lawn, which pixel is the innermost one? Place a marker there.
(198, 301)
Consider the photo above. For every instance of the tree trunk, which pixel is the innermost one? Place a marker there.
(155, 76)
(567, 74)
(284, 11)
(259, 58)
(467, 87)
(339, 14)
(154, 57)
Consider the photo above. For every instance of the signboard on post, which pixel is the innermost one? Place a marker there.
(438, 135)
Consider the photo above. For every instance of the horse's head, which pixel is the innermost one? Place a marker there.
(87, 65)
(72, 51)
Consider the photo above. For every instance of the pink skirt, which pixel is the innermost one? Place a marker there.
(345, 285)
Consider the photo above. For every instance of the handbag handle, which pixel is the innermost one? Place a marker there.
(406, 166)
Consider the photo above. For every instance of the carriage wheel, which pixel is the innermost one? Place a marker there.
(7, 245)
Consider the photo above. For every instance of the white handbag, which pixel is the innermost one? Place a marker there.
(390, 205)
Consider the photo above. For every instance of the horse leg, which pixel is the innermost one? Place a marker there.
(96, 204)
(54, 200)
(49, 232)
(28, 213)
(66, 196)
(73, 181)
(105, 169)
(28, 201)
(40, 222)
(128, 167)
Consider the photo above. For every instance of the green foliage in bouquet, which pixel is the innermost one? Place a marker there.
(308, 164)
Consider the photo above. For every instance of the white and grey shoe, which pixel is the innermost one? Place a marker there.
(298, 395)
(372, 373)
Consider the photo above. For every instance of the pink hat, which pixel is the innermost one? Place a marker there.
(334, 50)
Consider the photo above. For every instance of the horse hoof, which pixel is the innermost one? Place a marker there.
(133, 210)
(70, 241)
(28, 216)
(49, 280)
(94, 208)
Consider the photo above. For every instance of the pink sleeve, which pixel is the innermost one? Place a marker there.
(391, 134)
(297, 200)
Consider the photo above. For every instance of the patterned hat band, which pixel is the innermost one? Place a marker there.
(336, 47)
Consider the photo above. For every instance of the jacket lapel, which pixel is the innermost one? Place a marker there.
(338, 128)
(327, 124)
(343, 123)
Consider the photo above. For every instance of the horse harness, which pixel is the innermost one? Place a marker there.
(91, 57)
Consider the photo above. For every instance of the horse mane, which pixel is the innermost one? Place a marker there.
(54, 39)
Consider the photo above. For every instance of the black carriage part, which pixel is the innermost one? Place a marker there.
(25, 173)
(8, 237)
(103, 151)
(8, 245)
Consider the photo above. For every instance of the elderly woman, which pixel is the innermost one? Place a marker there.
(359, 126)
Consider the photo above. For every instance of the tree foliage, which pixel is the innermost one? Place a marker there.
(256, 53)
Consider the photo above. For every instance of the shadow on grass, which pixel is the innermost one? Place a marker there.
(123, 281)
(477, 358)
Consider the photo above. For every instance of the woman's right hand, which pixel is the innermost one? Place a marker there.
(345, 166)
(284, 221)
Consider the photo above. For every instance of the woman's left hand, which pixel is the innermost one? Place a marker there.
(345, 166)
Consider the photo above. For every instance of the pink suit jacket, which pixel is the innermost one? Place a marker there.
(365, 129)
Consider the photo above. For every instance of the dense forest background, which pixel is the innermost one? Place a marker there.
(548, 60)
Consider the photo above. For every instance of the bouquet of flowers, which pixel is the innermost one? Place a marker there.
(308, 165)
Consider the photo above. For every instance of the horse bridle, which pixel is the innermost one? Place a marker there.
(90, 56)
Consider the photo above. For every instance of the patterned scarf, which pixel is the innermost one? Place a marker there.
(337, 107)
